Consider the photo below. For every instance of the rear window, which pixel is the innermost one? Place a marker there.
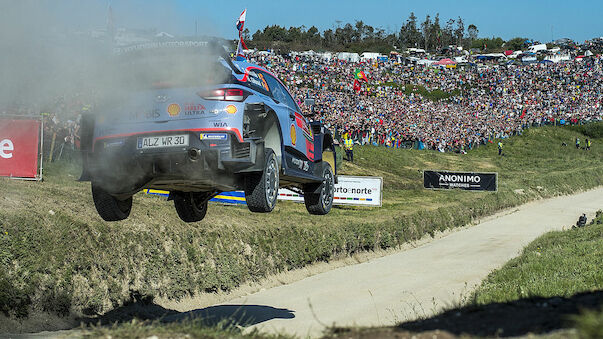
(168, 68)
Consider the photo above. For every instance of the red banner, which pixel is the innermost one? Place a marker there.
(19, 140)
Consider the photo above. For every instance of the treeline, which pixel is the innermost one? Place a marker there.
(430, 34)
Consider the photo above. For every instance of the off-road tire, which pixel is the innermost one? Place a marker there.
(109, 207)
(321, 203)
(261, 189)
(191, 207)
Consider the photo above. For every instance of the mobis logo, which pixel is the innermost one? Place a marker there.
(6, 148)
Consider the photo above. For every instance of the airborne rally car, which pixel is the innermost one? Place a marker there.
(196, 123)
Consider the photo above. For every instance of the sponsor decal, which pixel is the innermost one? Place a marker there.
(149, 114)
(308, 133)
(293, 135)
(194, 109)
(220, 124)
(153, 45)
(231, 109)
(113, 143)
(264, 83)
(213, 136)
(301, 164)
(161, 98)
(6, 148)
(173, 110)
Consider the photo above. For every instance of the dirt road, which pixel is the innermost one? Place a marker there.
(412, 283)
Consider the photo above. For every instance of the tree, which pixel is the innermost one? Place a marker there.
(516, 43)
(435, 32)
(448, 33)
(409, 34)
(459, 32)
(425, 29)
(472, 31)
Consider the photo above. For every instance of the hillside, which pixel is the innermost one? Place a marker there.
(57, 256)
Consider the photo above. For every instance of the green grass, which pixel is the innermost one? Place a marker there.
(556, 264)
(58, 256)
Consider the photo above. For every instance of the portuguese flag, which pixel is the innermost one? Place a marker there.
(358, 74)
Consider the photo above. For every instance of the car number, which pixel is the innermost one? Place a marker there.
(163, 141)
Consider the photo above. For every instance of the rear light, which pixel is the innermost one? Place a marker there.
(225, 94)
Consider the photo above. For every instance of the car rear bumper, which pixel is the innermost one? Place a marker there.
(210, 161)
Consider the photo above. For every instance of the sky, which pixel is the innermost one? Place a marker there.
(537, 19)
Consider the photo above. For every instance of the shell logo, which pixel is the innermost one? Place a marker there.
(173, 110)
(293, 135)
(231, 109)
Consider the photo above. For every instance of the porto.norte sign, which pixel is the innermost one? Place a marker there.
(349, 190)
(469, 181)
(19, 140)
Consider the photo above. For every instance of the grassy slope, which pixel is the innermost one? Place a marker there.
(57, 255)
(556, 264)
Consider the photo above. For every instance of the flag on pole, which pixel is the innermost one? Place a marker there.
(358, 74)
(241, 21)
(240, 27)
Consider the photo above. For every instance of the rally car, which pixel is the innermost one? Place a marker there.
(196, 139)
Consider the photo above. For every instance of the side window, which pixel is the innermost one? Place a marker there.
(280, 93)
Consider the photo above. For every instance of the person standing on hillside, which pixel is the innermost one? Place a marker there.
(587, 144)
(577, 143)
(500, 147)
(348, 145)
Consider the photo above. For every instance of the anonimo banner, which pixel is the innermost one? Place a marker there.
(466, 181)
(19, 152)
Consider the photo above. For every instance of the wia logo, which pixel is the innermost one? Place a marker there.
(220, 124)
(6, 146)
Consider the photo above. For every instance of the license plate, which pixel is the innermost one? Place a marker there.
(163, 141)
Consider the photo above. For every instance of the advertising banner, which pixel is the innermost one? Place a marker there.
(469, 181)
(350, 190)
(358, 191)
(19, 141)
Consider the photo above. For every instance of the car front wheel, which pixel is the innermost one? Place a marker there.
(320, 203)
(261, 189)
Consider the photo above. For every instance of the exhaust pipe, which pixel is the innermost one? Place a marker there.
(194, 154)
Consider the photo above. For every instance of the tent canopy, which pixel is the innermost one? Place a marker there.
(445, 62)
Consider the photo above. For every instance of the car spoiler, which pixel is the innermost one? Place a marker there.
(222, 53)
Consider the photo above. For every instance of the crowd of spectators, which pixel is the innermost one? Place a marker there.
(484, 103)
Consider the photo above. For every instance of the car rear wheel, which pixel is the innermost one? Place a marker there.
(321, 203)
(191, 207)
(109, 207)
(261, 189)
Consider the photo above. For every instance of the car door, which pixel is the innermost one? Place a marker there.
(298, 130)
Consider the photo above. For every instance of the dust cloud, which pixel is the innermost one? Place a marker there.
(55, 51)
